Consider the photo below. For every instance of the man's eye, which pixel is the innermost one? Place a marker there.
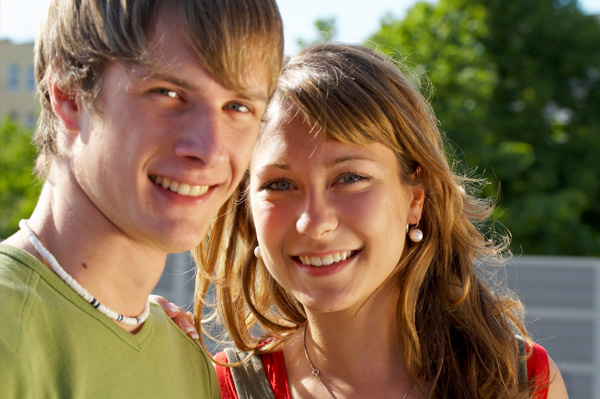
(166, 92)
(237, 107)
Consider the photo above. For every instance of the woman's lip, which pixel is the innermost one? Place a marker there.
(326, 270)
(325, 260)
(323, 271)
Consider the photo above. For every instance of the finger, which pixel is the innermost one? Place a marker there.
(189, 329)
(190, 317)
(157, 299)
(184, 325)
(170, 308)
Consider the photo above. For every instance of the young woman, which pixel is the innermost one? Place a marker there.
(348, 265)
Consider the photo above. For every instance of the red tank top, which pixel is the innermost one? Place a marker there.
(538, 370)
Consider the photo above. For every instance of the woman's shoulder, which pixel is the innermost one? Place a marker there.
(537, 362)
(543, 372)
(224, 377)
(274, 366)
(231, 355)
(267, 367)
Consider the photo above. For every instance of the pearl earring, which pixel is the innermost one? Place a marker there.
(257, 252)
(415, 234)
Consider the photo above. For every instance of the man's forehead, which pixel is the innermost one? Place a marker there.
(251, 80)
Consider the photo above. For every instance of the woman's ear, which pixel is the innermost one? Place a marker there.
(65, 107)
(416, 203)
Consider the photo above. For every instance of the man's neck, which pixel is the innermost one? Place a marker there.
(117, 271)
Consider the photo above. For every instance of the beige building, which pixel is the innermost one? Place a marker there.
(17, 83)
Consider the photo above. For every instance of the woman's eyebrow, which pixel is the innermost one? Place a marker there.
(277, 165)
(340, 160)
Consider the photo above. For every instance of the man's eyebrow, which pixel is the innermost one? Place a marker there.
(144, 73)
(254, 95)
(147, 74)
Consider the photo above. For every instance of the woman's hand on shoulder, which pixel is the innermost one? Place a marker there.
(185, 321)
(557, 389)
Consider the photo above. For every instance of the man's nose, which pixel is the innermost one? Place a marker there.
(204, 140)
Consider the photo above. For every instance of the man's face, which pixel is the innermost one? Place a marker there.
(166, 147)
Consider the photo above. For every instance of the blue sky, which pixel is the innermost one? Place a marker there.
(356, 19)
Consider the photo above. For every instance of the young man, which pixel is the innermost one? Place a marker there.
(150, 111)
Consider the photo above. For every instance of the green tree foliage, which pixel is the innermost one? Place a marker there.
(326, 31)
(518, 92)
(18, 187)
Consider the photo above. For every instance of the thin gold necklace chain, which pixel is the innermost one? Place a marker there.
(316, 372)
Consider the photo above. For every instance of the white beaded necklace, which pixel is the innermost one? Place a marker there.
(71, 282)
(316, 372)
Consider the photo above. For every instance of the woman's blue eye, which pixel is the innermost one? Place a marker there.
(352, 178)
(277, 185)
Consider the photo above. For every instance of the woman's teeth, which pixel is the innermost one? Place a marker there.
(179, 188)
(325, 260)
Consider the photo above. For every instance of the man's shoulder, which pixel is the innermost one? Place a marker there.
(166, 326)
(17, 293)
(17, 275)
(13, 259)
(169, 337)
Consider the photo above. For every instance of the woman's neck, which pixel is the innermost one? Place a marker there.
(358, 352)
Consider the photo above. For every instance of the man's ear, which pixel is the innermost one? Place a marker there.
(65, 106)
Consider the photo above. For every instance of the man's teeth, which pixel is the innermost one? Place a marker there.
(179, 188)
(325, 260)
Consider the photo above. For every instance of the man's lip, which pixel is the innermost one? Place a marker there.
(181, 188)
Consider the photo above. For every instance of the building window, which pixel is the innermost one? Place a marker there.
(31, 121)
(13, 77)
(14, 115)
(30, 79)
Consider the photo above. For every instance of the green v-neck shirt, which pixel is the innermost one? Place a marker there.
(54, 344)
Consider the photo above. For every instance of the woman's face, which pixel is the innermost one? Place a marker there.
(330, 217)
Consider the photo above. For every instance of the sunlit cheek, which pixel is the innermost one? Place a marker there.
(368, 209)
(269, 220)
(243, 140)
(272, 227)
(378, 216)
